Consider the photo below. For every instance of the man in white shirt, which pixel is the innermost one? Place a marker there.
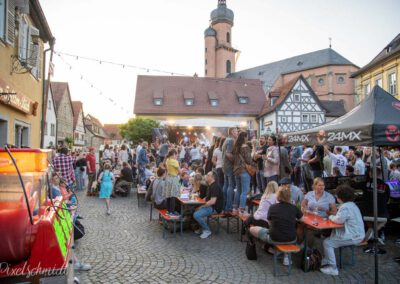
(359, 166)
(138, 148)
(338, 160)
(195, 156)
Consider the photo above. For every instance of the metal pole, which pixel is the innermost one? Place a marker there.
(375, 200)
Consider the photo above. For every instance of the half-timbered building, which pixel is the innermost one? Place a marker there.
(293, 107)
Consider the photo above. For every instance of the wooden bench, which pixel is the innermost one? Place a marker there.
(353, 255)
(166, 218)
(140, 192)
(285, 249)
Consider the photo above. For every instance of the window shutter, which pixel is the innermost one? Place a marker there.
(10, 31)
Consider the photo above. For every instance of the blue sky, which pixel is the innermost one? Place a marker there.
(168, 35)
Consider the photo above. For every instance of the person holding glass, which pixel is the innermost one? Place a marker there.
(319, 201)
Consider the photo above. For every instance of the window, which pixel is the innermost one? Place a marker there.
(52, 129)
(3, 130)
(321, 81)
(189, 102)
(273, 100)
(206, 49)
(340, 79)
(243, 100)
(228, 37)
(23, 44)
(49, 105)
(2, 19)
(158, 102)
(21, 138)
(304, 118)
(45, 128)
(206, 61)
(214, 102)
(228, 67)
(314, 118)
(262, 124)
(296, 97)
(378, 82)
(205, 72)
(367, 89)
(392, 84)
(284, 119)
(76, 136)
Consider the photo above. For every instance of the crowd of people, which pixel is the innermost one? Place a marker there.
(289, 181)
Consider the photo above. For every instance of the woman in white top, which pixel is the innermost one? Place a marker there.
(260, 216)
(123, 155)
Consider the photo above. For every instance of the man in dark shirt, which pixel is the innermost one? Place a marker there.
(317, 161)
(214, 204)
(125, 179)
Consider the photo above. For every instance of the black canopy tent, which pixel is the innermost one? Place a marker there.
(374, 122)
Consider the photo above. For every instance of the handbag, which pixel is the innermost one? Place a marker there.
(251, 252)
(250, 169)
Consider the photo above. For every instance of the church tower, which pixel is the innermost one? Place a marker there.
(219, 54)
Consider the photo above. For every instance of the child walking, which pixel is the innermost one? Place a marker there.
(106, 180)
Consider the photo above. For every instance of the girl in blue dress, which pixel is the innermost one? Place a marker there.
(106, 180)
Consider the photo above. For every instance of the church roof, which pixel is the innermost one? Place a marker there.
(222, 13)
(208, 96)
(210, 32)
(392, 49)
(270, 72)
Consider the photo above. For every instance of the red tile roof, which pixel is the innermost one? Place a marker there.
(173, 90)
(113, 131)
(59, 90)
(78, 108)
(281, 93)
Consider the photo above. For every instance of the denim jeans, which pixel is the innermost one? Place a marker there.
(200, 215)
(242, 188)
(80, 182)
(329, 249)
(260, 181)
(142, 176)
(229, 185)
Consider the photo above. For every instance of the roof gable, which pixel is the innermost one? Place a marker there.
(175, 90)
(297, 84)
(78, 112)
(270, 72)
(59, 90)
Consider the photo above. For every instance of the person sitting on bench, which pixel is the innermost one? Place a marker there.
(351, 234)
(282, 218)
(125, 179)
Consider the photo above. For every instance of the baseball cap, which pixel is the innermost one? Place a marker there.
(285, 180)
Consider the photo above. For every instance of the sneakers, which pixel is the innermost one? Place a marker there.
(330, 270)
(205, 234)
(82, 266)
(286, 260)
(108, 212)
(198, 232)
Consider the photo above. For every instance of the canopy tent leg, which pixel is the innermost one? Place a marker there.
(375, 199)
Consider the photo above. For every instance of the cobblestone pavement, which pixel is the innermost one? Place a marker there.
(126, 248)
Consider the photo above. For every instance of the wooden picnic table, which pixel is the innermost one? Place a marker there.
(189, 202)
(316, 222)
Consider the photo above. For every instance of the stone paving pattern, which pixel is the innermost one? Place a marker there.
(127, 248)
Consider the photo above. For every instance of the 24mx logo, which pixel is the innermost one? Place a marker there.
(342, 136)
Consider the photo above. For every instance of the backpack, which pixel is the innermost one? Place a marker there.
(79, 230)
(251, 252)
(313, 260)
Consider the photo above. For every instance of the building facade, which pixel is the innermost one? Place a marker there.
(64, 112)
(326, 71)
(113, 133)
(95, 134)
(50, 127)
(293, 107)
(23, 33)
(79, 126)
(383, 70)
(218, 52)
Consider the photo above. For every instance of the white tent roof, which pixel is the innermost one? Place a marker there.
(202, 122)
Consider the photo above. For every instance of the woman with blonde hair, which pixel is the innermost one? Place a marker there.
(199, 185)
(172, 186)
(260, 216)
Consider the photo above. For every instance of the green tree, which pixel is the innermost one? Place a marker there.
(137, 128)
(69, 141)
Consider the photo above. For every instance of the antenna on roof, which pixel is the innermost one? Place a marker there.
(330, 42)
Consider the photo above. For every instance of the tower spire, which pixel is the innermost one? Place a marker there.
(221, 2)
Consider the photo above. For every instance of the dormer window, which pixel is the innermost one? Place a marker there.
(214, 103)
(273, 100)
(158, 102)
(189, 102)
(243, 100)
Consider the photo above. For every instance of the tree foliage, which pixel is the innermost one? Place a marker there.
(137, 128)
